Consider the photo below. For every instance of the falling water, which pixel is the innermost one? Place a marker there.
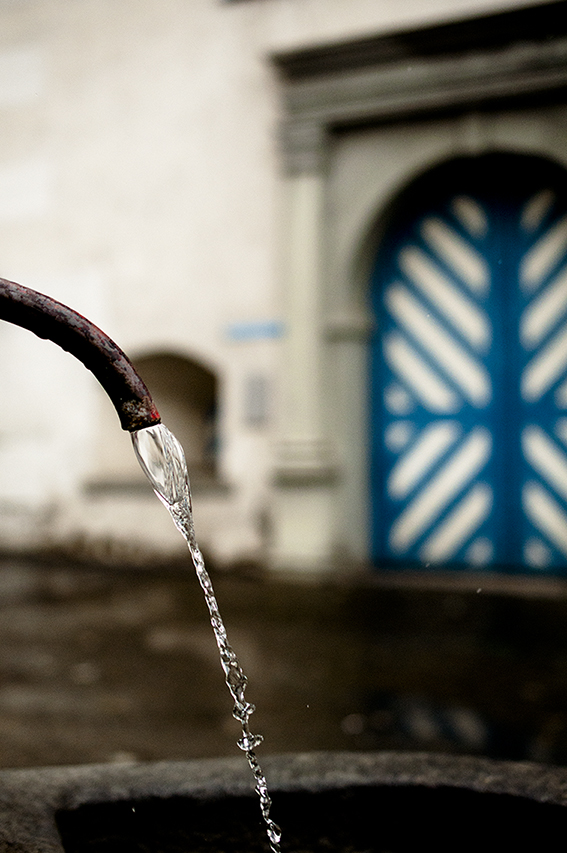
(162, 459)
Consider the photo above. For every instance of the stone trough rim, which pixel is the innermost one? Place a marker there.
(30, 798)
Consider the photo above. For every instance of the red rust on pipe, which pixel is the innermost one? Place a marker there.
(54, 321)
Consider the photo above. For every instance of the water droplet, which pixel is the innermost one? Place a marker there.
(236, 680)
(274, 833)
(243, 712)
(249, 741)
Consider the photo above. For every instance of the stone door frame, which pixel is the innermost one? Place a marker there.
(510, 58)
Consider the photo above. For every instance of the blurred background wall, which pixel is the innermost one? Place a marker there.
(208, 181)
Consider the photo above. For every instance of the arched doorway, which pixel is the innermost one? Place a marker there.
(469, 369)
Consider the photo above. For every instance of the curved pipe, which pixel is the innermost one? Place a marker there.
(54, 321)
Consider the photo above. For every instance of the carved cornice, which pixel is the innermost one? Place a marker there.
(493, 59)
(538, 23)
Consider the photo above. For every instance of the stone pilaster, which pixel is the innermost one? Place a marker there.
(304, 466)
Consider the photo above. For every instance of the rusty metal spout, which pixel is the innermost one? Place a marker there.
(54, 321)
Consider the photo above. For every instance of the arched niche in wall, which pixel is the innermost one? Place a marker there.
(186, 394)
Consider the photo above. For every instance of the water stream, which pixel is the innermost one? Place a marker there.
(163, 461)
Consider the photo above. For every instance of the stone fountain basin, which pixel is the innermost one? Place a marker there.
(348, 802)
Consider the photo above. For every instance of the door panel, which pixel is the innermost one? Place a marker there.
(469, 369)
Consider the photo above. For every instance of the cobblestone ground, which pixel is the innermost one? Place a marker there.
(109, 666)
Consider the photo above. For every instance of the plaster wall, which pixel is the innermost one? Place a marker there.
(140, 183)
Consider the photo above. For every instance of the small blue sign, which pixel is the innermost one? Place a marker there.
(255, 330)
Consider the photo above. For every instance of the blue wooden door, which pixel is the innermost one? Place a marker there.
(469, 369)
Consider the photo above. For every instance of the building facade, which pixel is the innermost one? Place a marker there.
(333, 242)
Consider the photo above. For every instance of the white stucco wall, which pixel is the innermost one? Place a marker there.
(140, 183)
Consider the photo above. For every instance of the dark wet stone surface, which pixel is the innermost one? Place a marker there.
(357, 802)
(101, 666)
(370, 820)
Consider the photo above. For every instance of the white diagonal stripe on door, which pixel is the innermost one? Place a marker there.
(471, 215)
(459, 526)
(547, 459)
(457, 309)
(459, 255)
(546, 514)
(542, 314)
(425, 508)
(463, 369)
(424, 382)
(543, 256)
(545, 368)
(535, 209)
(433, 442)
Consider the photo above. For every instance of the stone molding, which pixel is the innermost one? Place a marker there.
(303, 462)
(495, 59)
